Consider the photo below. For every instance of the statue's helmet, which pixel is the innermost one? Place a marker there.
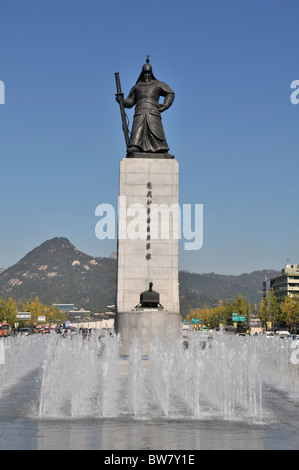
(146, 68)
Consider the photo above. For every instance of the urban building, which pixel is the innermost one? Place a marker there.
(286, 284)
(65, 308)
(78, 315)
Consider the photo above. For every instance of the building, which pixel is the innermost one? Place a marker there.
(65, 308)
(286, 284)
(255, 325)
(94, 324)
(78, 315)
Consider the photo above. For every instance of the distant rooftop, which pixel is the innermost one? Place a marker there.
(290, 268)
(65, 307)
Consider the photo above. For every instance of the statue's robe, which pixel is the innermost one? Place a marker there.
(147, 134)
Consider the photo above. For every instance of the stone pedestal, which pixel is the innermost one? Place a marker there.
(148, 233)
(146, 325)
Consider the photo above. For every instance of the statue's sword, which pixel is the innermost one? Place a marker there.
(122, 109)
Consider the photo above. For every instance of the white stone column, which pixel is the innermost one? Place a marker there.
(147, 241)
(149, 182)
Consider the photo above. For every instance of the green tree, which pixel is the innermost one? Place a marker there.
(53, 314)
(296, 312)
(227, 313)
(24, 306)
(263, 312)
(11, 311)
(36, 309)
(8, 310)
(240, 305)
(290, 312)
(2, 308)
(274, 309)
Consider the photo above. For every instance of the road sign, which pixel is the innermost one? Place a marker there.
(237, 318)
(23, 315)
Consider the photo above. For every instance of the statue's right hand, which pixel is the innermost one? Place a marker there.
(118, 97)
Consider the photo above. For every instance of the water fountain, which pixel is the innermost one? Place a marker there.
(66, 390)
(20, 355)
(87, 378)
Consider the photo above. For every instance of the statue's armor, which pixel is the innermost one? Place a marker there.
(147, 132)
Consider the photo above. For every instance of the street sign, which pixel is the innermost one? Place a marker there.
(195, 320)
(237, 318)
(23, 315)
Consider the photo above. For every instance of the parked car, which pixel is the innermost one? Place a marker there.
(269, 334)
(25, 331)
(283, 334)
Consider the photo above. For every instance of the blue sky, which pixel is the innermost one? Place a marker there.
(232, 126)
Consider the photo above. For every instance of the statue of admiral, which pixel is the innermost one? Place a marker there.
(147, 134)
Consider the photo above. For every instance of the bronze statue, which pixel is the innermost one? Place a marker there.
(147, 134)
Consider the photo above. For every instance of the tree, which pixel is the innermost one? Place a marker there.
(264, 312)
(274, 309)
(11, 311)
(36, 309)
(296, 312)
(2, 308)
(290, 312)
(227, 313)
(240, 305)
(24, 306)
(53, 313)
(8, 310)
(219, 313)
(269, 310)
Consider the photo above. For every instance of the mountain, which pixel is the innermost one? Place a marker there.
(57, 272)
(206, 289)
